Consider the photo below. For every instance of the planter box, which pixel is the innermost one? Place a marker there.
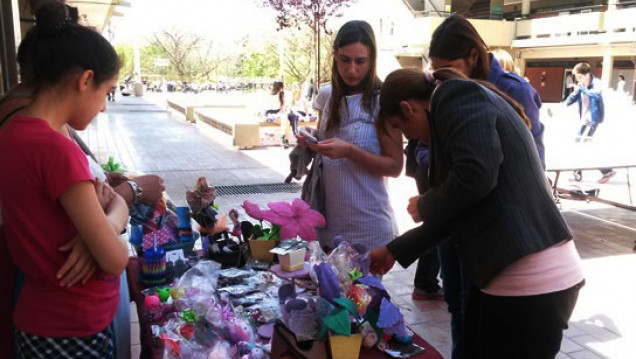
(292, 261)
(345, 347)
(260, 250)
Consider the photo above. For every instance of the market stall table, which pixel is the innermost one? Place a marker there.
(152, 350)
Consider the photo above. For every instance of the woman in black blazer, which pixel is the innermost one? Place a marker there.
(489, 196)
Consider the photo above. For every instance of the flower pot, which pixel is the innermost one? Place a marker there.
(345, 347)
(293, 260)
(260, 250)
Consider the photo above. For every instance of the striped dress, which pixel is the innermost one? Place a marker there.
(357, 203)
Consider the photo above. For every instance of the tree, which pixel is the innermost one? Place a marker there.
(191, 57)
(312, 13)
(178, 47)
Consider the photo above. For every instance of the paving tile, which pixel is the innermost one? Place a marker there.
(586, 354)
(134, 333)
(135, 351)
(573, 331)
(561, 355)
(569, 346)
(134, 317)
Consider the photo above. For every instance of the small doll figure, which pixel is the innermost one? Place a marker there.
(234, 215)
(201, 202)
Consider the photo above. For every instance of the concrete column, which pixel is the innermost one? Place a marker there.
(608, 64)
(525, 8)
(8, 66)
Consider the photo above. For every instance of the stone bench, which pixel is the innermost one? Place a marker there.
(236, 122)
(189, 109)
(243, 125)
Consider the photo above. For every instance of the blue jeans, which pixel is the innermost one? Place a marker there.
(121, 322)
(456, 284)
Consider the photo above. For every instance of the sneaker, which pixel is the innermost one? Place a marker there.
(421, 294)
(606, 177)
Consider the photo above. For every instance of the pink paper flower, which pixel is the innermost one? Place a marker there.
(295, 219)
(253, 210)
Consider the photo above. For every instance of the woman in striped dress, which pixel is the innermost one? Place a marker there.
(355, 157)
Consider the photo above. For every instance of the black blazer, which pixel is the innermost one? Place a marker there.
(488, 189)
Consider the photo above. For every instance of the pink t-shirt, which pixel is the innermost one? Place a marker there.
(551, 270)
(38, 165)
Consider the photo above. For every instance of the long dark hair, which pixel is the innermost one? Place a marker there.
(350, 33)
(57, 45)
(23, 93)
(405, 84)
(454, 39)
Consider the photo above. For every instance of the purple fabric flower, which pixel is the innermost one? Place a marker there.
(328, 285)
(253, 210)
(295, 219)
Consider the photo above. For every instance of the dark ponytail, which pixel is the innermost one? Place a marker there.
(454, 39)
(57, 45)
(405, 84)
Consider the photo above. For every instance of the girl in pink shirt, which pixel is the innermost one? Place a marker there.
(49, 196)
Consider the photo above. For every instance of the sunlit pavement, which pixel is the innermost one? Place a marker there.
(148, 139)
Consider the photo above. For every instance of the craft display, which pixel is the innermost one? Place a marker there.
(224, 308)
(288, 221)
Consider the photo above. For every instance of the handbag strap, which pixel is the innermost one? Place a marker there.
(10, 114)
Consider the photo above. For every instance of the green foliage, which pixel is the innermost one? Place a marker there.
(112, 166)
(261, 64)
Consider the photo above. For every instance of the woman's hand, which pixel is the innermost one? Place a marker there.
(412, 209)
(333, 148)
(302, 139)
(114, 179)
(381, 261)
(80, 264)
(105, 193)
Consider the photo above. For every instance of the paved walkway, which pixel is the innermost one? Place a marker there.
(146, 138)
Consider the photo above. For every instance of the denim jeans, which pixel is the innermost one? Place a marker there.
(456, 284)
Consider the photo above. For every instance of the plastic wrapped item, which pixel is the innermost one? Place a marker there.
(316, 256)
(240, 331)
(269, 310)
(232, 276)
(239, 290)
(249, 300)
(221, 350)
(360, 297)
(341, 259)
(301, 317)
(202, 278)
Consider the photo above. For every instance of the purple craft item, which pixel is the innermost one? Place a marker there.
(389, 315)
(376, 290)
(301, 317)
(304, 272)
(286, 291)
(266, 331)
(328, 285)
(362, 259)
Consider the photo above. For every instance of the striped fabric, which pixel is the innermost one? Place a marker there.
(357, 203)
